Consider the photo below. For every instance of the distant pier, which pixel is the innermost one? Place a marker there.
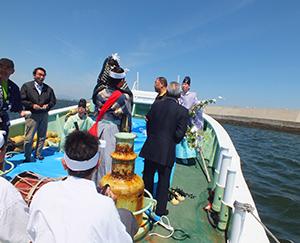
(275, 119)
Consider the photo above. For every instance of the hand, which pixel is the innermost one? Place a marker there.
(2, 132)
(23, 113)
(45, 107)
(36, 107)
(110, 194)
(118, 112)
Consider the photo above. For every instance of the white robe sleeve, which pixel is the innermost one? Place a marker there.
(38, 229)
(116, 229)
(13, 214)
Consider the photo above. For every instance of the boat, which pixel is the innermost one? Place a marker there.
(218, 205)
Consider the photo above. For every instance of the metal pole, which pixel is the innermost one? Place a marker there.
(137, 80)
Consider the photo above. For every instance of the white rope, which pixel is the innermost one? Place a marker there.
(166, 225)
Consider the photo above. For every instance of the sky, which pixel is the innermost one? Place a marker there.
(247, 51)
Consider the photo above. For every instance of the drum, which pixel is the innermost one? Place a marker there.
(28, 183)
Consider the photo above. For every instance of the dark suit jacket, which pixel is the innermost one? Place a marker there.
(30, 96)
(166, 126)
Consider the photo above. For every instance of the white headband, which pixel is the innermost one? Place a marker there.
(81, 165)
(117, 75)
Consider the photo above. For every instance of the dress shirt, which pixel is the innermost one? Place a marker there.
(39, 87)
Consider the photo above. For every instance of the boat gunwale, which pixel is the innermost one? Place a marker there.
(241, 190)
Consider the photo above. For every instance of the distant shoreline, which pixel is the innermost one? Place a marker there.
(274, 119)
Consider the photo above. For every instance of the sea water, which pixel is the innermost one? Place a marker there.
(271, 167)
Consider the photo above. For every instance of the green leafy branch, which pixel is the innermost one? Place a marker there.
(202, 104)
(195, 136)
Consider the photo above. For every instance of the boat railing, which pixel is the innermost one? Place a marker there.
(230, 185)
(55, 122)
(51, 113)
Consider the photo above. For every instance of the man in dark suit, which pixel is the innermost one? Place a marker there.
(166, 126)
(38, 98)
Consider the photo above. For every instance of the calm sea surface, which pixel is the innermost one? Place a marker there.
(271, 167)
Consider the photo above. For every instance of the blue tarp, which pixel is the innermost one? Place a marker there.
(51, 166)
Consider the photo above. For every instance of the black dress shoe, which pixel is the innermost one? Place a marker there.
(40, 157)
(28, 160)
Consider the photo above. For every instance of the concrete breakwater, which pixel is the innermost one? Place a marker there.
(275, 119)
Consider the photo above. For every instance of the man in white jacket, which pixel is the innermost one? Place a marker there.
(72, 210)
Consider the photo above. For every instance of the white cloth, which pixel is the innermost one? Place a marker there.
(38, 87)
(73, 211)
(107, 129)
(13, 214)
(2, 140)
(188, 99)
(84, 124)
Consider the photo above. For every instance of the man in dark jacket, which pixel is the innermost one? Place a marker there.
(166, 126)
(160, 86)
(10, 99)
(38, 98)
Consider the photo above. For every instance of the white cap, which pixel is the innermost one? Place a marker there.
(2, 140)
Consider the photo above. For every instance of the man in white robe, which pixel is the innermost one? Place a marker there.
(72, 210)
(79, 121)
(13, 211)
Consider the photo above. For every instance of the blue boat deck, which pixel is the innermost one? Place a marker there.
(51, 165)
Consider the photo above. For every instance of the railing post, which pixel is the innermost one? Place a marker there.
(133, 110)
(220, 185)
(237, 222)
(218, 166)
(213, 151)
(60, 131)
(227, 200)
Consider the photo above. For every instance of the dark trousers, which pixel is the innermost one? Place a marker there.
(129, 221)
(164, 173)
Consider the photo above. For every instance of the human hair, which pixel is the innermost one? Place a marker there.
(82, 103)
(173, 89)
(39, 68)
(8, 61)
(163, 81)
(80, 146)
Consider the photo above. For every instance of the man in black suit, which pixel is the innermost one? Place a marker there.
(166, 126)
(38, 98)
